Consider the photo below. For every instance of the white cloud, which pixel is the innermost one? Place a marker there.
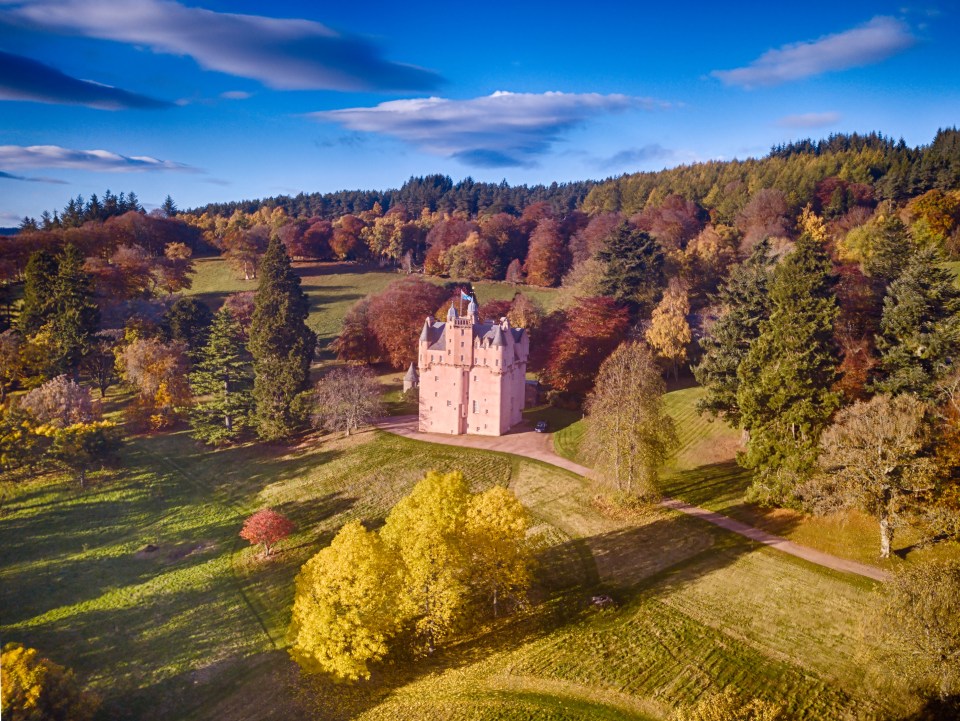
(866, 44)
(53, 156)
(809, 120)
(236, 95)
(502, 129)
(287, 54)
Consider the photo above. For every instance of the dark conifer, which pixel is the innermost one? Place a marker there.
(281, 344)
(920, 327)
(786, 394)
(634, 267)
(75, 315)
(222, 381)
(40, 277)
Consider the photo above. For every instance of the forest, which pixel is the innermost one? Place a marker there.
(811, 294)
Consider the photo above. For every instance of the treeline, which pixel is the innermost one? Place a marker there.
(435, 193)
(722, 188)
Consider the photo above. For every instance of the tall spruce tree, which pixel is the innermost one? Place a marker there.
(920, 327)
(40, 277)
(281, 344)
(634, 263)
(75, 315)
(785, 395)
(744, 304)
(222, 379)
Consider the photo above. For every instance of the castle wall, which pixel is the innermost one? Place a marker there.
(468, 385)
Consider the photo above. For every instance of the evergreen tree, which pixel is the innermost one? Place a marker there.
(920, 327)
(222, 379)
(188, 320)
(785, 395)
(75, 315)
(281, 344)
(744, 304)
(40, 277)
(169, 208)
(634, 266)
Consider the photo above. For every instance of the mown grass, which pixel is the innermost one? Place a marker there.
(334, 287)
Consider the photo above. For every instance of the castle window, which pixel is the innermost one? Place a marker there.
(461, 344)
(486, 413)
(435, 394)
(474, 379)
(436, 379)
(448, 404)
(461, 358)
(496, 362)
(474, 406)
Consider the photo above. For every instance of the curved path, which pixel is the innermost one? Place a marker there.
(528, 444)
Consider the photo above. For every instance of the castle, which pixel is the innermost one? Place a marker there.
(472, 374)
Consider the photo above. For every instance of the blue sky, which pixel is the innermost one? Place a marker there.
(231, 100)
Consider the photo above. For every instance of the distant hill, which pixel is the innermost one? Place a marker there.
(9, 231)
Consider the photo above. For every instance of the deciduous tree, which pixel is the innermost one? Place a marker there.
(397, 313)
(547, 258)
(496, 536)
(36, 688)
(60, 402)
(266, 528)
(875, 457)
(669, 332)
(629, 434)
(344, 608)
(158, 372)
(346, 399)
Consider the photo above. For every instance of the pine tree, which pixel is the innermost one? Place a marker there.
(920, 327)
(744, 304)
(281, 344)
(785, 395)
(634, 266)
(40, 277)
(169, 208)
(222, 379)
(75, 315)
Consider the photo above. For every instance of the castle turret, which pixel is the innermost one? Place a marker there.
(410, 379)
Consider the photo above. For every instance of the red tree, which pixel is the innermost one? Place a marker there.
(397, 313)
(266, 527)
(547, 258)
(590, 332)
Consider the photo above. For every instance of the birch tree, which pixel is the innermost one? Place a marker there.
(629, 434)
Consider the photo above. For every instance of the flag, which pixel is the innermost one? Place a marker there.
(464, 296)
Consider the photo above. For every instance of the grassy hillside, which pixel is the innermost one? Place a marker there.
(195, 627)
(704, 472)
(334, 287)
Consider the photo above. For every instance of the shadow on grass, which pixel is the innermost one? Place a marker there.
(557, 418)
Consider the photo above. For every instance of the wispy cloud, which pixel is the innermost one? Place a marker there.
(635, 156)
(809, 120)
(26, 79)
(53, 156)
(498, 130)
(866, 44)
(236, 95)
(11, 176)
(287, 54)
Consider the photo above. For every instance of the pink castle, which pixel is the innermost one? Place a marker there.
(472, 374)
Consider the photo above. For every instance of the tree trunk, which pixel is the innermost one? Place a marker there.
(886, 536)
(83, 478)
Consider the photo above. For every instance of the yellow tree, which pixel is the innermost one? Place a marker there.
(500, 555)
(426, 532)
(344, 609)
(669, 332)
(37, 688)
(629, 434)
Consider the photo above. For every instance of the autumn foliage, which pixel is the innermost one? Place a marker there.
(266, 527)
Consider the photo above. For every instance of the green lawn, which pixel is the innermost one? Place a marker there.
(196, 628)
(334, 287)
(142, 584)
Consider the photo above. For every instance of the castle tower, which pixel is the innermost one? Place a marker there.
(472, 374)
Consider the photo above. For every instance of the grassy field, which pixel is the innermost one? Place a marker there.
(195, 626)
(142, 584)
(704, 472)
(334, 287)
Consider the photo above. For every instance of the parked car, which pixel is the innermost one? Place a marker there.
(541, 427)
